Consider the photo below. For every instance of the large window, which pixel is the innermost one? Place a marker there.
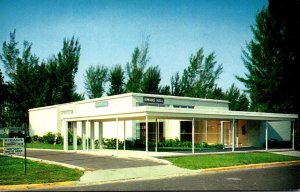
(151, 131)
(186, 130)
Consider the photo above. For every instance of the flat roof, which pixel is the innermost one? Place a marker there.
(133, 95)
(181, 113)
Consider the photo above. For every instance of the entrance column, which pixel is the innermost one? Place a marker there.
(117, 139)
(88, 131)
(124, 135)
(79, 127)
(193, 136)
(233, 134)
(293, 135)
(147, 135)
(156, 133)
(92, 135)
(206, 130)
(83, 136)
(100, 129)
(266, 135)
(74, 135)
(222, 133)
(65, 131)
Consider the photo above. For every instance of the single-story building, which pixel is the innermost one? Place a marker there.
(152, 117)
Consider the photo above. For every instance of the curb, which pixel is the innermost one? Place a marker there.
(249, 166)
(36, 186)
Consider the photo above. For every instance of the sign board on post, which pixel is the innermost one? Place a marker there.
(13, 146)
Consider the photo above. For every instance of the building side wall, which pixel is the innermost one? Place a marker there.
(253, 130)
(180, 102)
(280, 130)
(44, 120)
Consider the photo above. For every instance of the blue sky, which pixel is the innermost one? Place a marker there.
(109, 30)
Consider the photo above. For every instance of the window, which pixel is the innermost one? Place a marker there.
(186, 130)
(151, 131)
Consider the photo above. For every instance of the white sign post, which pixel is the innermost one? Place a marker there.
(13, 146)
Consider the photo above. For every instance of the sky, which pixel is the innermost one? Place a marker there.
(109, 30)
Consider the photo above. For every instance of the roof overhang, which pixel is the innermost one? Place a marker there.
(138, 113)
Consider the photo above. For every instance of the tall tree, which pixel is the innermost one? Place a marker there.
(25, 86)
(271, 58)
(116, 79)
(237, 101)
(67, 64)
(165, 90)
(199, 79)
(151, 80)
(3, 100)
(135, 69)
(176, 88)
(95, 80)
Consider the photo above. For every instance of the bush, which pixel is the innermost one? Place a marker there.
(59, 139)
(109, 143)
(79, 140)
(35, 138)
(49, 138)
(40, 139)
(274, 143)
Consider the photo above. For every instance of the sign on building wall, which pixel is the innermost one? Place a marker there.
(13, 146)
(153, 100)
(101, 104)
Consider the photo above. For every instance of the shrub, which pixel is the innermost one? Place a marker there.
(35, 138)
(40, 139)
(274, 143)
(109, 143)
(59, 139)
(79, 140)
(49, 138)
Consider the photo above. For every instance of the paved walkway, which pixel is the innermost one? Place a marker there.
(90, 161)
(154, 172)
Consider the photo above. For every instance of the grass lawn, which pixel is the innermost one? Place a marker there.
(49, 146)
(12, 172)
(225, 160)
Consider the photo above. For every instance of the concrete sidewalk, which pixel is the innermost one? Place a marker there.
(289, 153)
(147, 172)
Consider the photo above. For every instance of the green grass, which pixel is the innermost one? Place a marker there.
(225, 160)
(49, 146)
(12, 172)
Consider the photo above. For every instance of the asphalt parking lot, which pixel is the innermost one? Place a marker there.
(90, 162)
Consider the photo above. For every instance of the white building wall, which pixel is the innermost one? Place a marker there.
(279, 130)
(110, 130)
(43, 120)
(172, 129)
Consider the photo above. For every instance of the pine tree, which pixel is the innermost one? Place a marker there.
(116, 79)
(95, 80)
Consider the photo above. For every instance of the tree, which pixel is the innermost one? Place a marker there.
(199, 79)
(116, 79)
(3, 100)
(151, 80)
(165, 90)
(135, 69)
(176, 88)
(271, 58)
(95, 79)
(67, 61)
(33, 84)
(237, 101)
